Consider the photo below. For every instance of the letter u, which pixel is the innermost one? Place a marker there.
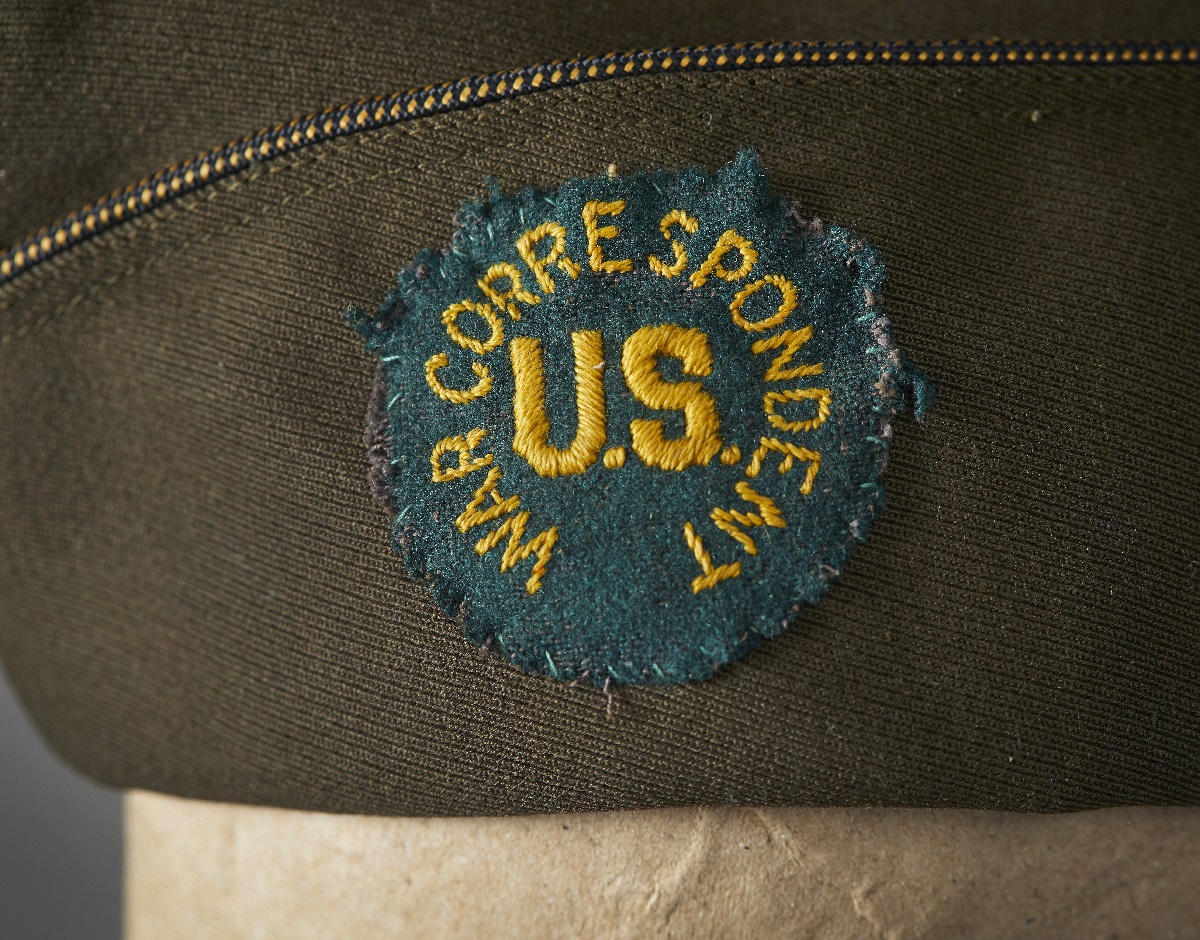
(532, 425)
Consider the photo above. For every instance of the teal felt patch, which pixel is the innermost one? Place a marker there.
(637, 422)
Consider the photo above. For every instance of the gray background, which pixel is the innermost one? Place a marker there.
(60, 840)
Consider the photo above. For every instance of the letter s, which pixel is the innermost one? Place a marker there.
(702, 434)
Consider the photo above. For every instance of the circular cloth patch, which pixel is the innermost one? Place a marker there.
(636, 423)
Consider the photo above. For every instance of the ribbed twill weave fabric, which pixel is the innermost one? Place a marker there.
(198, 596)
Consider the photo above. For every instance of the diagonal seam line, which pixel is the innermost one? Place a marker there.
(232, 186)
(368, 114)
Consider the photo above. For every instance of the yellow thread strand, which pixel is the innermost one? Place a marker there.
(467, 462)
(478, 513)
(557, 255)
(453, 395)
(701, 439)
(766, 506)
(731, 455)
(729, 241)
(614, 457)
(514, 553)
(688, 224)
(787, 304)
(504, 299)
(824, 403)
(480, 347)
(531, 423)
(725, 519)
(591, 212)
(781, 367)
(791, 453)
(728, 520)
(712, 576)
(474, 516)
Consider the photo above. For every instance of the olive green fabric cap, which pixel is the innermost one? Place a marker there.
(96, 97)
(197, 594)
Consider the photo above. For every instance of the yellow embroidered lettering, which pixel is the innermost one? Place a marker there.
(791, 453)
(728, 520)
(728, 241)
(701, 439)
(689, 225)
(824, 402)
(781, 367)
(531, 438)
(467, 462)
(514, 553)
(557, 255)
(591, 211)
(481, 347)
(474, 516)
(453, 395)
(504, 299)
(786, 306)
(711, 576)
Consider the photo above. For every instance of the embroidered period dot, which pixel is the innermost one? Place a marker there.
(636, 422)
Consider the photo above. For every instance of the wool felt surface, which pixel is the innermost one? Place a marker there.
(198, 594)
(617, 594)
